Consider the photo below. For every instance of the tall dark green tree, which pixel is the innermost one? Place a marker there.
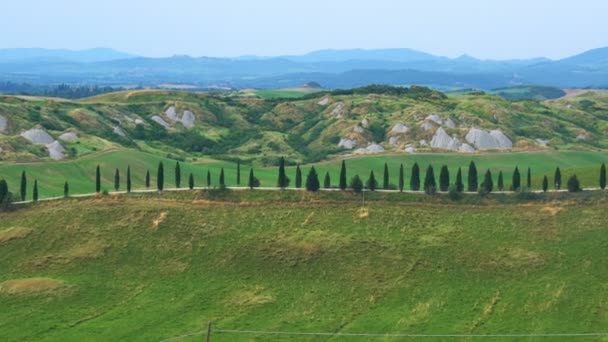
(557, 179)
(160, 177)
(98, 179)
(35, 192)
(529, 179)
(545, 184)
(208, 178)
(415, 180)
(501, 181)
(298, 177)
(66, 189)
(372, 183)
(116, 180)
(283, 180)
(386, 180)
(459, 182)
(574, 184)
(4, 194)
(129, 179)
(473, 180)
(356, 184)
(430, 186)
(251, 179)
(401, 178)
(312, 180)
(488, 182)
(444, 178)
(516, 182)
(178, 175)
(603, 176)
(191, 181)
(238, 173)
(147, 180)
(343, 184)
(23, 186)
(222, 180)
(327, 181)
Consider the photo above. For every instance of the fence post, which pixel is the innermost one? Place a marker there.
(208, 338)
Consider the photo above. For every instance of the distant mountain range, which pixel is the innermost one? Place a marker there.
(330, 68)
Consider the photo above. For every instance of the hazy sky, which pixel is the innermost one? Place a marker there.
(482, 28)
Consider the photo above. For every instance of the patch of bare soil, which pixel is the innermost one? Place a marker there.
(29, 286)
(14, 234)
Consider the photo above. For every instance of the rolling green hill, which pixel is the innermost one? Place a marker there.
(147, 268)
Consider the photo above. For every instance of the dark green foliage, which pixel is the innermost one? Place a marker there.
(459, 182)
(430, 186)
(501, 182)
(415, 180)
(4, 194)
(603, 176)
(238, 173)
(529, 179)
(386, 180)
(557, 179)
(117, 180)
(372, 183)
(298, 177)
(488, 182)
(401, 177)
(129, 185)
(208, 178)
(473, 182)
(222, 179)
(516, 182)
(282, 181)
(147, 179)
(343, 176)
(98, 180)
(378, 131)
(160, 177)
(573, 184)
(312, 180)
(178, 175)
(327, 181)
(545, 184)
(253, 181)
(23, 188)
(191, 181)
(35, 192)
(66, 190)
(356, 184)
(444, 179)
(454, 194)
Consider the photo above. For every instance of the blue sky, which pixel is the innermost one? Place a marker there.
(497, 29)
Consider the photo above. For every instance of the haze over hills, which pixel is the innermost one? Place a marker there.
(330, 68)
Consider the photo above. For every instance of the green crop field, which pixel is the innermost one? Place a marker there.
(81, 173)
(146, 268)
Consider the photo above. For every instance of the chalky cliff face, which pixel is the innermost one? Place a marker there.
(309, 129)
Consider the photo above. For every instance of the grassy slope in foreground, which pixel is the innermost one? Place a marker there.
(81, 173)
(147, 269)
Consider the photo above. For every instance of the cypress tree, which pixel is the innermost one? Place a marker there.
(372, 184)
(283, 181)
(298, 177)
(459, 182)
(128, 179)
(356, 184)
(401, 178)
(343, 176)
(35, 192)
(191, 181)
(557, 179)
(603, 176)
(501, 181)
(160, 177)
(444, 179)
(385, 183)
(327, 181)
(148, 179)
(516, 183)
(4, 196)
(473, 181)
(98, 180)
(178, 175)
(415, 180)
(23, 186)
(573, 184)
(117, 180)
(208, 178)
(488, 182)
(238, 172)
(312, 180)
(251, 179)
(545, 184)
(430, 186)
(66, 190)
(222, 180)
(529, 179)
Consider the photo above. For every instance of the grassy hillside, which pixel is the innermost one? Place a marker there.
(144, 269)
(307, 129)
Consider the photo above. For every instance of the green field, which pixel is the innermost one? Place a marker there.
(81, 173)
(147, 268)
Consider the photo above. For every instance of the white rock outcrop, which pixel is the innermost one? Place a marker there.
(582, 136)
(37, 136)
(3, 124)
(348, 144)
(365, 123)
(503, 141)
(171, 114)
(119, 131)
(423, 142)
(337, 112)
(449, 123)
(442, 140)
(56, 150)
(435, 118)
(160, 121)
(358, 129)
(324, 101)
(542, 142)
(466, 148)
(427, 126)
(400, 129)
(410, 148)
(68, 136)
(371, 148)
(188, 119)
(483, 140)
(392, 141)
